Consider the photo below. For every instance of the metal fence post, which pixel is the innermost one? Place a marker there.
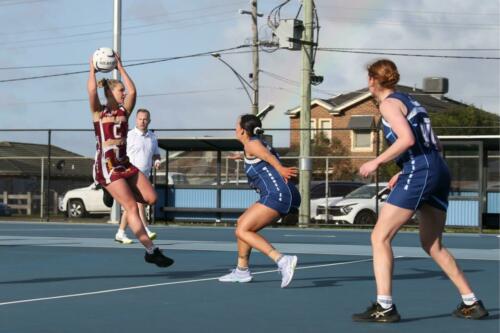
(47, 196)
(42, 189)
(327, 190)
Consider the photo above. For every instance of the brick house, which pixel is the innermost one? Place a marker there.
(353, 119)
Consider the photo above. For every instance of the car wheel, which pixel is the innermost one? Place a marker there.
(76, 208)
(365, 217)
(290, 219)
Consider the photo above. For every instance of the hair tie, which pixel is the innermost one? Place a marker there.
(256, 130)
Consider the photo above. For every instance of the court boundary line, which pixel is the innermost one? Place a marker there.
(108, 291)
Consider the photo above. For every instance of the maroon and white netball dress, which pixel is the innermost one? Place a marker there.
(111, 160)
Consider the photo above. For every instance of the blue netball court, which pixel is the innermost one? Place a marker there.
(59, 277)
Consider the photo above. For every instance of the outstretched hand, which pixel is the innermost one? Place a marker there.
(393, 181)
(91, 62)
(288, 172)
(368, 168)
(118, 61)
(235, 156)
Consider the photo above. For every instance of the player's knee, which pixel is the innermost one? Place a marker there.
(430, 247)
(379, 238)
(131, 207)
(151, 198)
(238, 232)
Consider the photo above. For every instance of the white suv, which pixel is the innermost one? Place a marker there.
(82, 201)
(358, 207)
(88, 200)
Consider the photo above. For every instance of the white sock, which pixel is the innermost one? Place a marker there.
(120, 232)
(469, 299)
(384, 301)
(151, 249)
(242, 269)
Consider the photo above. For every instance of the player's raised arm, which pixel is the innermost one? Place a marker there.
(95, 104)
(130, 99)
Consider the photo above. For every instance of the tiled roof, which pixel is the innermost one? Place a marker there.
(432, 103)
(25, 159)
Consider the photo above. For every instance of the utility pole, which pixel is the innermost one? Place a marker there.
(117, 45)
(305, 116)
(255, 47)
(255, 50)
(117, 32)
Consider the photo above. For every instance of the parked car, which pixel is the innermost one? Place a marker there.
(5, 209)
(358, 207)
(337, 190)
(87, 200)
(83, 201)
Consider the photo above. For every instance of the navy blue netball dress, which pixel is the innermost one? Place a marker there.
(425, 177)
(274, 192)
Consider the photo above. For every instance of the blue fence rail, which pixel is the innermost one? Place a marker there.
(463, 209)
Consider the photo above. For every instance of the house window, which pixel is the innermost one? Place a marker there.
(361, 133)
(314, 129)
(362, 139)
(325, 128)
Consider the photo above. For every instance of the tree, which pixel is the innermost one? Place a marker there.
(341, 168)
(465, 118)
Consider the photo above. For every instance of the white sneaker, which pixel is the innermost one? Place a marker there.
(122, 238)
(286, 267)
(237, 276)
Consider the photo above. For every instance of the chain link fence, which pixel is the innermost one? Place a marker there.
(40, 168)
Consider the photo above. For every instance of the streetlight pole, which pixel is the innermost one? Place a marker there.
(255, 46)
(305, 116)
(117, 36)
(242, 80)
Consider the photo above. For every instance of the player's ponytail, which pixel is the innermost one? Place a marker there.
(251, 124)
(107, 85)
(102, 83)
(385, 72)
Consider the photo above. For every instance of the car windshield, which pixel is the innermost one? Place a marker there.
(364, 192)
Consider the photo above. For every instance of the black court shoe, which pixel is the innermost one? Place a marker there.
(376, 313)
(107, 198)
(158, 258)
(474, 311)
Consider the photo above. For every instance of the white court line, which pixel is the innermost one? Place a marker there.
(304, 235)
(107, 291)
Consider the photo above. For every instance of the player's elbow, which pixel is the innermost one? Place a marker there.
(408, 141)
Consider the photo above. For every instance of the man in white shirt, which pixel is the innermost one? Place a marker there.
(143, 151)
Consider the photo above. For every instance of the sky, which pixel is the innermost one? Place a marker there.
(201, 92)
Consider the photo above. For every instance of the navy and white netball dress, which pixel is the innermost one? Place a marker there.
(425, 177)
(274, 192)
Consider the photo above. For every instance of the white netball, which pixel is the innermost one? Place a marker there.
(104, 59)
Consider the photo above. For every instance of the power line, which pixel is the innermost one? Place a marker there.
(325, 49)
(65, 43)
(415, 49)
(14, 3)
(131, 65)
(408, 11)
(170, 93)
(201, 9)
(97, 32)
(86, 63)
(72, 100)
(422, 24)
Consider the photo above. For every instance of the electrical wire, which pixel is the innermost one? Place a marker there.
(131, 65)
(325, 49)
